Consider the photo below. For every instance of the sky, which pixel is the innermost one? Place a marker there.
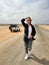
(12, 11)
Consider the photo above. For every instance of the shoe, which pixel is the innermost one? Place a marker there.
(26, 57)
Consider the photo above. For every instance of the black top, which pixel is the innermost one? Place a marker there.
(26, 30)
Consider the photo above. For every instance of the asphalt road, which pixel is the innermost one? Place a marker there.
(12, 49)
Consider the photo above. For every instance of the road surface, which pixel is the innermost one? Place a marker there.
(12, 48)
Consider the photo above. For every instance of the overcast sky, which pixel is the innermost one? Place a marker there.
(12, 11)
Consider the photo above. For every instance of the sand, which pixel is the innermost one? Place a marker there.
(45, 26)
(5, 33)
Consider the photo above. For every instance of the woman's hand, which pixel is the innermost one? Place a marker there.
(30, 36)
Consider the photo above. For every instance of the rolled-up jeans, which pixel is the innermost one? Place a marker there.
(28, 45)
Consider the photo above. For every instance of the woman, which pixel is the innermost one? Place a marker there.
(29, 33)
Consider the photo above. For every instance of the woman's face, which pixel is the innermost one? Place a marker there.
(28, 20)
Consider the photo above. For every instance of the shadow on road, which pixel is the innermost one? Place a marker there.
(41, 61)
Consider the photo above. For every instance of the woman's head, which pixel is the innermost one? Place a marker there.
(28, 20)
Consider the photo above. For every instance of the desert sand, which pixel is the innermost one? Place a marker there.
(45, 26)
(5, 33)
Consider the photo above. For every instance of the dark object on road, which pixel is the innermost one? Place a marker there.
(14, 28)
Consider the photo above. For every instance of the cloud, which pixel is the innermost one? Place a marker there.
(11, 11)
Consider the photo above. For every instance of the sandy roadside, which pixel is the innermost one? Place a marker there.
(5, 34)
(45, 26)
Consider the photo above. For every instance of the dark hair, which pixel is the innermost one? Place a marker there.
(29, 18)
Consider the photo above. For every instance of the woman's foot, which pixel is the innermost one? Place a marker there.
(26, 57)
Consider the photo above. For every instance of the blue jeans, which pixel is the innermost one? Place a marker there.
(28, 46)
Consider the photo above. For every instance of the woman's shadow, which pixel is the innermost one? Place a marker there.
(41, 61)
